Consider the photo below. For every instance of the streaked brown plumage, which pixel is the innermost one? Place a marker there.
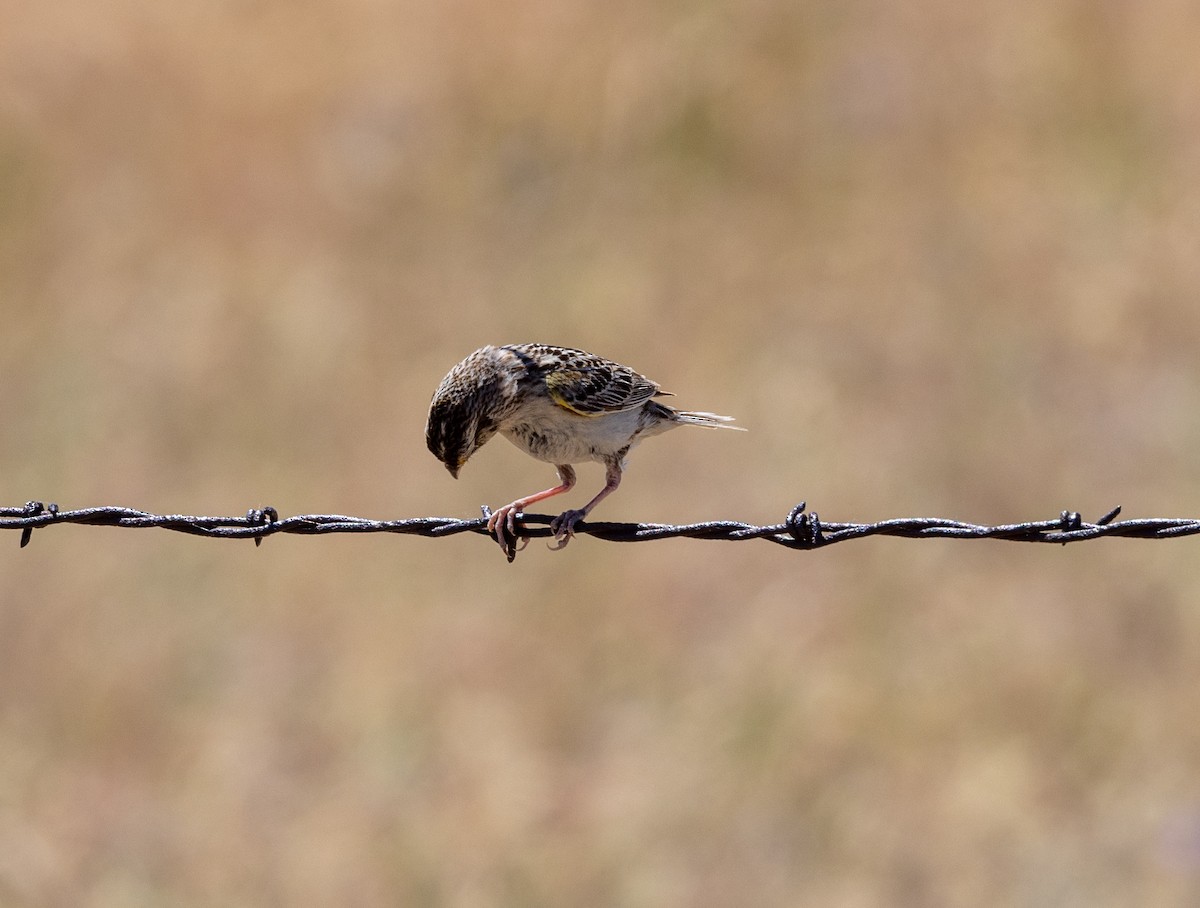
(560, 405)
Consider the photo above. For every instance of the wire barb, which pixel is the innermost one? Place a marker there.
(801, 529)
(262, 517)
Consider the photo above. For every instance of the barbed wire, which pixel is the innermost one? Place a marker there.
(801, 529)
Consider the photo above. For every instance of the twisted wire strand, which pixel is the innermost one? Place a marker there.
(801, 529)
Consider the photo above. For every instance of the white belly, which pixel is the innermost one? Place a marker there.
(555, 435)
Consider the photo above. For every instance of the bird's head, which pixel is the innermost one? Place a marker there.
(465, 411)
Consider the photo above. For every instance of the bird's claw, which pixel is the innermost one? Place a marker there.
(502, 524)
(563, 528)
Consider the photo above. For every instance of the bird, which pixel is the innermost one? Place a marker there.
(559, 405)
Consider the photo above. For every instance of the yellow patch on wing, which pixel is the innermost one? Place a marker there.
(596, 389)
(563, 386)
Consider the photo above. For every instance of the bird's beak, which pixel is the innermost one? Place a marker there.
(453, 469)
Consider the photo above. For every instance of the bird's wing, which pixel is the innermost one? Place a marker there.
(591, 386)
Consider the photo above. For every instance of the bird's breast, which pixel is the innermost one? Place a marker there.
(556, 435)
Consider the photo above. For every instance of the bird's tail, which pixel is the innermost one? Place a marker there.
(707, 420)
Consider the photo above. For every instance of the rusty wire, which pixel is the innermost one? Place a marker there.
(801, 529)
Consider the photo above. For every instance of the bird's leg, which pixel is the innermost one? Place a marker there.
(505, 518)
(563, 526)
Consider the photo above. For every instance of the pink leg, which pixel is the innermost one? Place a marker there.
(505, 518)
(563, 526)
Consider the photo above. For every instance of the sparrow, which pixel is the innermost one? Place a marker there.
(557, 404)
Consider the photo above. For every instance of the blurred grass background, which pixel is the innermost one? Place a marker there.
(941, 260)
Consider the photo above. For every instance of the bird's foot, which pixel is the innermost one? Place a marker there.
(563, 527)
(502, 524)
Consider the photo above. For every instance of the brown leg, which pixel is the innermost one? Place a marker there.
(505, 518)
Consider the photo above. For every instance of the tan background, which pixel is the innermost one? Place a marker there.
(942, 259)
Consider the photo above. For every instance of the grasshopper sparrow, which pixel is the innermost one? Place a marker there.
(559, 405)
